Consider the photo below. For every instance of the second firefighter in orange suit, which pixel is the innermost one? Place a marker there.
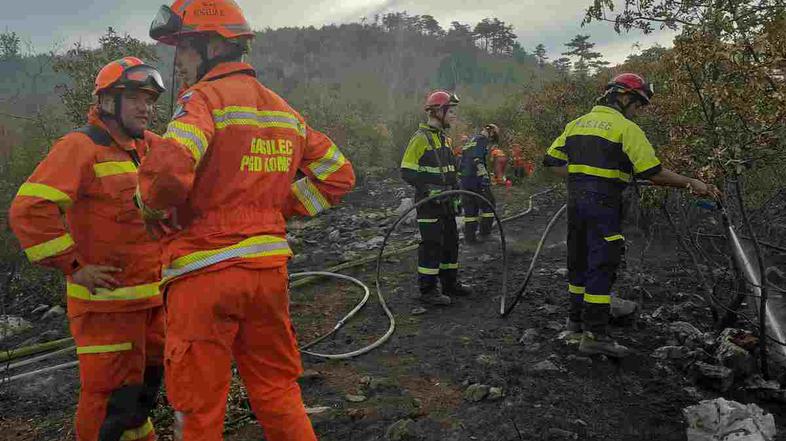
(111, 265)
(499, 161)
(226, 167)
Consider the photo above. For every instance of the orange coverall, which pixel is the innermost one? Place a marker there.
(77, 209)
(227, 164)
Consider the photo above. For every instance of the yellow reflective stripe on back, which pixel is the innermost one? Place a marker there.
(189, 136)
(597, 299)
(599, 172)
(471, 218)
(112, 168)
(557, 154)
(256, 246)
(137, 292)
(448, 266)
(139, 433)
(574, 289)
(614, 237)
(428, 271)
(328, 164)
(48, 249)
(309, 195)
(250, 116)
(428, 221)
(410, 166)
(486, 215)
(102, 349)
(45, 192)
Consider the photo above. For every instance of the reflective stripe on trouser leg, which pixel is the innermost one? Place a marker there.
(605, 244)
(577, 262)
(429, 253)
(448, 267)
(111, 350)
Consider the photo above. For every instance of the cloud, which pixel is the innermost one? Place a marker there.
(46, 22)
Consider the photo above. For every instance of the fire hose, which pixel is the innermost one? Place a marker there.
(356, 309)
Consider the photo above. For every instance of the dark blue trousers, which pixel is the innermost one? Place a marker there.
(595, 247)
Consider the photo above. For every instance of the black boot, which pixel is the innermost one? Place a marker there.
(432, 296)
(457, 289)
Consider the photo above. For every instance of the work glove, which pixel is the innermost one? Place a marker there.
(158, 223)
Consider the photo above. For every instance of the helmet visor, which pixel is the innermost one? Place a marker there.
(142, 77)
(166, 25)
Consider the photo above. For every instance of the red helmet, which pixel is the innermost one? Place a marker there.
(631, 82)
(128, 73)
(439, 99)
(189, 17)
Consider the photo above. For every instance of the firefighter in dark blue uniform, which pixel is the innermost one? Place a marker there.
(429, 166)
(475, 178)
(600, 153)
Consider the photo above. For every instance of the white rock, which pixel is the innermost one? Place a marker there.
(12, 325)
(722, 420)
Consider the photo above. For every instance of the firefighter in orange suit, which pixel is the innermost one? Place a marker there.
(111, 265)
(219, 188)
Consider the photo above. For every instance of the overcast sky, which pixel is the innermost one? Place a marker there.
(58, 24)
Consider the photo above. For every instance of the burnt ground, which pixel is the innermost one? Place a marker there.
(422, 372)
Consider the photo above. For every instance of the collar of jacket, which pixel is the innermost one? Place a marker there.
(607, 109)
(120, 139)
(430, 128)
(226, 69)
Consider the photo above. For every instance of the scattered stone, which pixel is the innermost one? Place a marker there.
(672, 353)
(379, 384)
(570, 338)
(52, 334)
(405, 205)
(550, 309)
(530, 336)
(298, 259)
(563, 272)
(766, 390)
(12, 325)
(722, 420)
(419, 310)
(40, 309)
(401, 430)
(715, 377)
(559, 434)
(316, 410)
(311, 375)
(685, 333)
(545, 366)
(732, 356)
(334, 236)
(532, 348)
(495, 393)
(555, 326)
(485, 359)
(476, 392)
(622, 308)
(577, 358)
(485, 258)
(355, 398)
(693, 393)
(356, 413)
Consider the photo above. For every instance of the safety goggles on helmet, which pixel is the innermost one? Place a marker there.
(166, 25)
(141, 77)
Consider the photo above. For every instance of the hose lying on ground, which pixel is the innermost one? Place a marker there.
(520, 293)
(307, 277)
